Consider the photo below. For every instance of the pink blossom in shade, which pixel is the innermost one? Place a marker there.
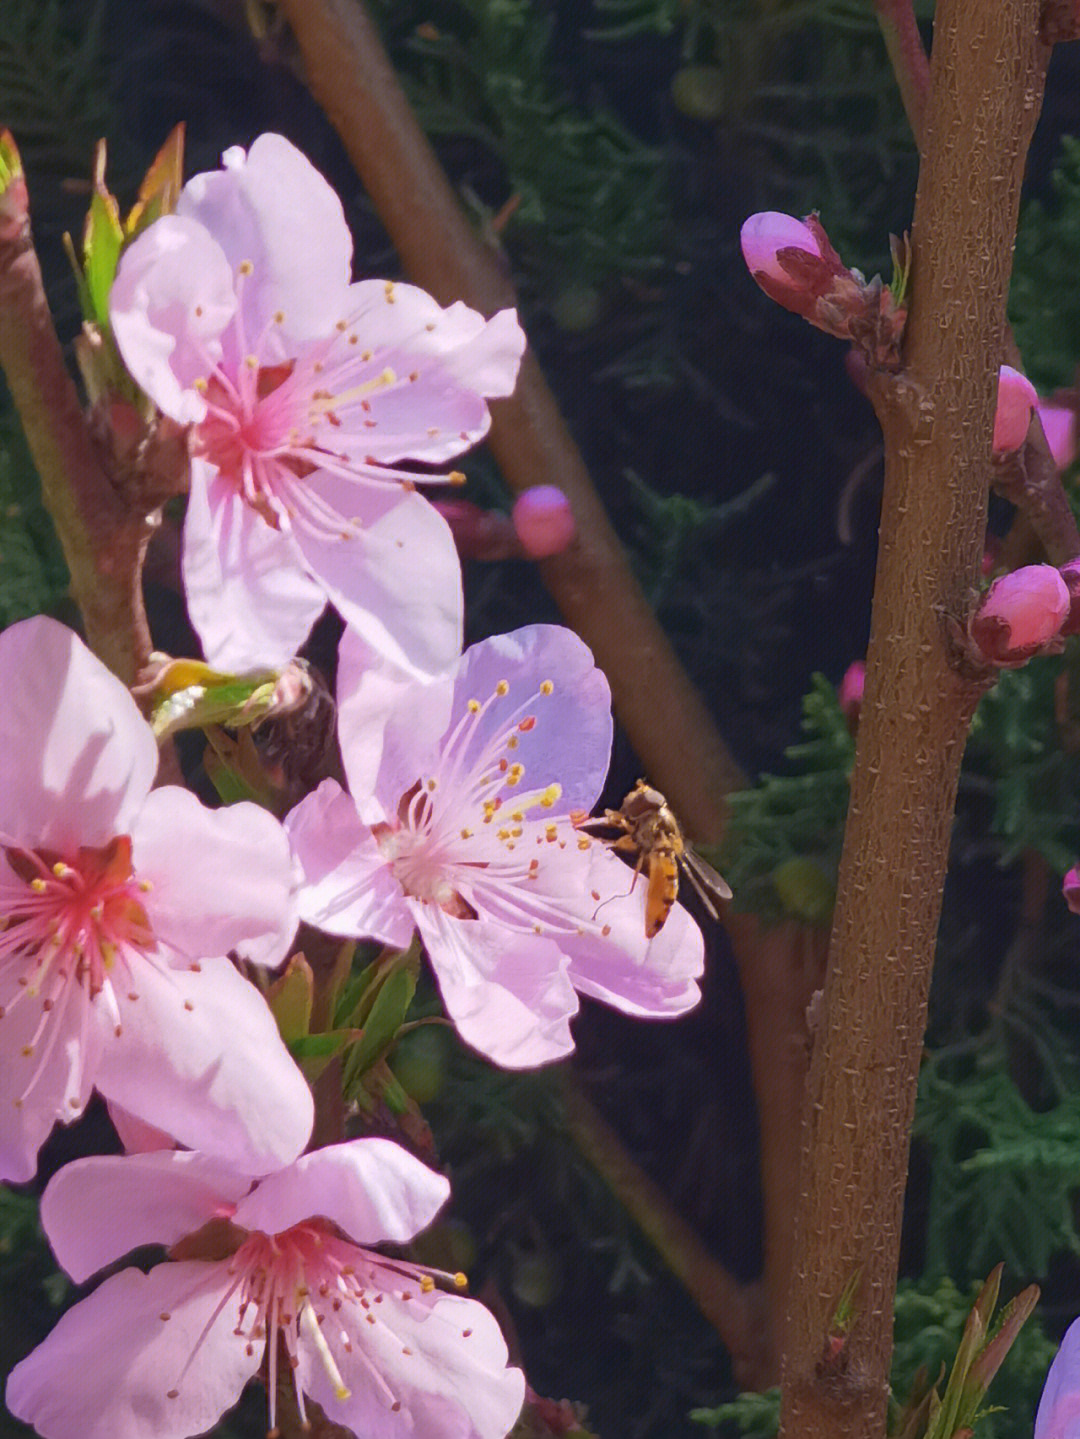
(1016, 399)
(312, 402)
(118, 907)
(461, 827)
(1070, 889)
(372, 1340)
(544, 521)
(765, 235)
(1020, 612)
(850, 693)
(1058, 1415)
(1059, 427)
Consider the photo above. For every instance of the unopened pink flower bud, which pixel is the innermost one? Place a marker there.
(479, 534)
(544, 521)
(766, 234)
(1059, 427)
(849, 695)
(1020, 612)
(1016, 400)
(1070, 888)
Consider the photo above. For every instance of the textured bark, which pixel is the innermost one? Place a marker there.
(592, 583)
(103, 540)
(987, 73)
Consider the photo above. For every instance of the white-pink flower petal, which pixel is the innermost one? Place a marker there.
(372, 1189)
(115, 1366)
(77, 759)
(200, 1057)
(166, 1196)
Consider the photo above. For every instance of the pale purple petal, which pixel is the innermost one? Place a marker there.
(1058, 1416)
(106, 1370)
(172, 298)
(136, 1135)
(570, 742)
(273, 209)
(95, 1210)
(507, 993)
(221, 880)
(51, 1082)
(398, 581)
(653, 978)
(348, 889)
(372, 1189)
(77, 759)
(200, 1057)
(248, 594)
(381, 749)
(441, 1357)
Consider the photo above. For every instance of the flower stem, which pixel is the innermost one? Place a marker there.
(104, 540)
(668, 723)
(987, 74)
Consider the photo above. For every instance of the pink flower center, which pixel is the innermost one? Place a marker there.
(275, 417)
(467, 838)
(317, 1292)
(67, 929)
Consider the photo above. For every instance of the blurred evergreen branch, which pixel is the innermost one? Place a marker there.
(33, 576)
(1044, 302)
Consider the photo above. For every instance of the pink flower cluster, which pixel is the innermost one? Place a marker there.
(315, 406)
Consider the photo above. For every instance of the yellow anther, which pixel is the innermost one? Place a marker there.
(515, 775)
(251, 362)
(455, 477)
(246, 267)
(466, 834)
(145, 886)
(550, 796)
(551, 833)
(61, 870)
(583, 844)
(341, 326)
(547, 687)
(512, 742)
(427, 1284)
(365, 355)
(503, 834)
(460, 1281)
(502, 688)
(200, 385)
(279, 317)
(516, 815)
(38, 886)
(432, 784)
(473, 707)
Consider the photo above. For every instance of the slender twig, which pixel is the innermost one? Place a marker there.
(987, 76)
(735, 1310)
(667, 721)
(103, 539)
(1044, 518)
(908, 57)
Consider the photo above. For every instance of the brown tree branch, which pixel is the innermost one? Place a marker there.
(987, 73)
(908, 59)
(592, 583)
(735, 1310)
(103, 540)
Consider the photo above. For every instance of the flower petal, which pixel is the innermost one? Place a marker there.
(372, 1189)
(173, 297)
(274, 210)
(95, 1210)
(42, 1078)
(1058, 1416)
(107, 1369)
(249, 596)
(348, 888)
(77, 759)
(222, 880)
(200, 1057)
(440, 1357)
(397, 580)
(507, 993)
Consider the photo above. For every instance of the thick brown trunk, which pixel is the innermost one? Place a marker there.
(987, 73)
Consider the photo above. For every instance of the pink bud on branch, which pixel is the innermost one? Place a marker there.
(1020, 613)
(1070, 888)
(544, 521)
(1016, 402)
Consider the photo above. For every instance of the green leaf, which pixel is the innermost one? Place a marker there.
(386, 1017)
(290, 999)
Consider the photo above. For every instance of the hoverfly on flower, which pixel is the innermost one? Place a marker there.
(645, 830)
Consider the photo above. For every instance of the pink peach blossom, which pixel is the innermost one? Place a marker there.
(1070, 889)
(307, 395)
(1058, 1415)
(1059, 427)
(460, 825)
(372, 1340)
(765, 235)
(118, 907)
(849, 695)
(1016, 399)
(1020, 612)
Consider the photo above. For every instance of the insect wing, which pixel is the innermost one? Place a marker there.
(708, 885)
